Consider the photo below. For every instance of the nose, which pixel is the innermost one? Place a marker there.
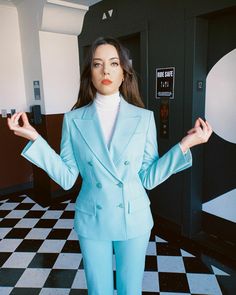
(106, 70)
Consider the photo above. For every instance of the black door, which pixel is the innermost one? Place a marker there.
(219, 184)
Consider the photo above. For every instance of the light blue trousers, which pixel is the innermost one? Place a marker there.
(129, 261)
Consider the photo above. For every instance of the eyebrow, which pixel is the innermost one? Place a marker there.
(97, 58)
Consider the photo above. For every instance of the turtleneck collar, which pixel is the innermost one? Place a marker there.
(107, 101)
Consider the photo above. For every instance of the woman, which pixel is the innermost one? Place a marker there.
(110, 139)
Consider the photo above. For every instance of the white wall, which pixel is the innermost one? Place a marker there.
(60, 71)
(221, 97)
(221, 113)
(30, 15)
(29, 54)
(12, 90)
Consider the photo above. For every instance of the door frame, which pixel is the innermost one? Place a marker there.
(204, 228)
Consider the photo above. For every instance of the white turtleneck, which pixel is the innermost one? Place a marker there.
(107, 107)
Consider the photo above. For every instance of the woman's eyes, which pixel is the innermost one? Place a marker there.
(96, 65)
(113, 64)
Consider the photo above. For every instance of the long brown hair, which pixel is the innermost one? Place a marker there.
(129, 87)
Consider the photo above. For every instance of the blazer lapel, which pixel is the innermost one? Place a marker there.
(126, 124)
(90, 129)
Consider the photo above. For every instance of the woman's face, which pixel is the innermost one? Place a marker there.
(107, 74)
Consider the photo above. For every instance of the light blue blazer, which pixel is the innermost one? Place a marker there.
(112, 203)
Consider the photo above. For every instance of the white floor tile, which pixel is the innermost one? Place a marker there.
(79, 280)
(64, 223)
(186, 254)
(218, 271)
(33, 278)
(68, 261)
(9, 206)
(37, 207)
(150, 281)
(5, 290)
(70, 207)
(73, 236)
(9, 245)
(151, 249)
(19, 260)
(38, 233)
(54, 291)
(170, 264)
(52, 214)
(17, 214)
(4, 231)
(51, 246)
(28, 200)
(160, 240)
(26, 223)
(203, 284)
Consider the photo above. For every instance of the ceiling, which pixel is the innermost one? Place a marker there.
(82, 2)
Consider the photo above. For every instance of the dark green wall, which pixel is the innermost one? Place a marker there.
(173, 33)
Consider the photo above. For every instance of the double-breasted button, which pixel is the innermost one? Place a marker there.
(99, 185)
(126, 163)
(120, 184)
(121, 205)
(99, 207)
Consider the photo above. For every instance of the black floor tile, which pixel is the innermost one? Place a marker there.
(24, 206)
(18, 233)
(60, 278)
(25, 291)
(173, 282)
(4, 213)
(61, 206)
(9, 222)
(43, 260)
(71, 247)
(10, 276)
(59, 234)
(79, 292)
(194, 265)
(46, 223)
(29, 246)
(3, 257)
(34, 214)
(151, 263)
(68, 215)
(166, 249)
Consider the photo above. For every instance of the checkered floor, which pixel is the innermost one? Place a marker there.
(40, 254)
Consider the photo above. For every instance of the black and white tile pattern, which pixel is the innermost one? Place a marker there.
(40, 254)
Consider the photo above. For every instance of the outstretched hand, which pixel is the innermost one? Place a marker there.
(25, 130)
(199, 134)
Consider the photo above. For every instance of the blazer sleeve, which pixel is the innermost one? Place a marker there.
(61, 168)
(155, 169)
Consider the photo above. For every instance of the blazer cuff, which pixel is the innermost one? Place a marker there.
(188, 156)
(30, 147)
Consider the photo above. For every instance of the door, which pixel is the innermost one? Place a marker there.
(219, 184)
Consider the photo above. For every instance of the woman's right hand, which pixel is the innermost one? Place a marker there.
(26, 130)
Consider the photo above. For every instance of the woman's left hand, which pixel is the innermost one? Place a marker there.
(200, 133)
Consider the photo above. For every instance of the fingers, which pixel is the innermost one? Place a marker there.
(13, 122)
(203, 125)
(191, 131)
(209, 127)
(197, 123)
(25, 119)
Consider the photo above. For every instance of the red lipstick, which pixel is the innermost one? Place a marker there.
(106, 82)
